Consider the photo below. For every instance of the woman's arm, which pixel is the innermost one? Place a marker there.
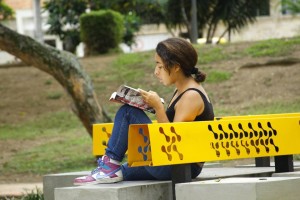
(188, 107)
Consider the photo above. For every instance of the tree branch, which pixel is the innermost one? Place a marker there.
(64, 67)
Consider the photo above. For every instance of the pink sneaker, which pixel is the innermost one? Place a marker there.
(108, 171)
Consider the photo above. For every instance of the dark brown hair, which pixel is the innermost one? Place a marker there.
(177, 51)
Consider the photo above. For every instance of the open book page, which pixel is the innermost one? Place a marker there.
(130, 96)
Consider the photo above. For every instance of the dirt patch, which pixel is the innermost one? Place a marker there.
(249, 87)
(27, 92)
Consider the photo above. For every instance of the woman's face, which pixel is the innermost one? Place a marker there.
(160, 72)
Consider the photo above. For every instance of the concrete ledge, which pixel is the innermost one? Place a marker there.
(268, 188)
(226, 172)
(212, 164)
(272, 164)
(126, 190)
(287, 174)
(52, 181)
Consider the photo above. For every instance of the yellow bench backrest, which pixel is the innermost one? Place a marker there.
(222, 139)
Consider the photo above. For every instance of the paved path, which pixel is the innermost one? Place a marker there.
(17, 189)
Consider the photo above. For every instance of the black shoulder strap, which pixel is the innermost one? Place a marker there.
(178, 98)
(201, 94)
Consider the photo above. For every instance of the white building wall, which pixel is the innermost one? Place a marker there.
(24, 24)
(274, 26)
(269, 28)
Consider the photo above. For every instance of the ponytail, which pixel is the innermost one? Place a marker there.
(199, 75)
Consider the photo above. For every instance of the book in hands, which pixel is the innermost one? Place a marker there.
(132, 97)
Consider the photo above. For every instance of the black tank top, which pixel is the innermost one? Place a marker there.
(206, 115)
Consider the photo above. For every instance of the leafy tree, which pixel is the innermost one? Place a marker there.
(177, 15)
(149, 11)
(64, 20)
(292, 6)
(136, 12)
(64, 16)
(235, 14)
(132, 25)
(5, 11)
(97, 25)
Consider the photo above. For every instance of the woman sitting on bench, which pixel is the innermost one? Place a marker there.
(176, 61)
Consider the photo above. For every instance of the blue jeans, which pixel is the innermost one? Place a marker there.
(118, 144)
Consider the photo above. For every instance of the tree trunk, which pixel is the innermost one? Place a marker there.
(64, 67)
(185, 19)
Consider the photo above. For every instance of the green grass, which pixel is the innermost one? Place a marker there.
(53, 124)
(216, 76)
(137, 68)
(273, 47)
(48, 82)
(276, 107)
(68, 154)
(265, 108)
(133, 67)
(60, 144)
(211, 54)
(54, 95)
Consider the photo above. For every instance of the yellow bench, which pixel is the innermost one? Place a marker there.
(225, 138)
(222, 139)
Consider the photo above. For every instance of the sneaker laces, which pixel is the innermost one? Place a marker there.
(100, 165)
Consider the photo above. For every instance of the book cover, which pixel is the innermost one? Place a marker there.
(131, 96)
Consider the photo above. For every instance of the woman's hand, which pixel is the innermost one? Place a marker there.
(151, 98)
